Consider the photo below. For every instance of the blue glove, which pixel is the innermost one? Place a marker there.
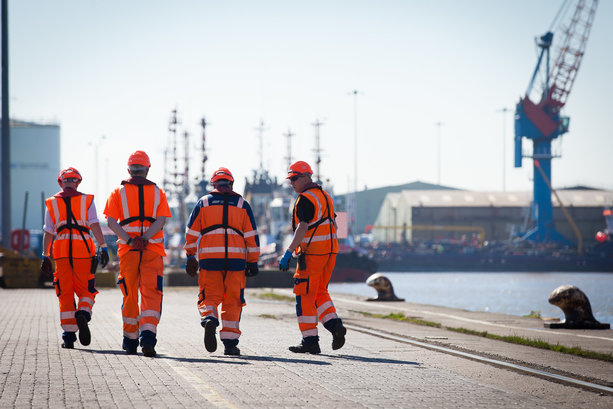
(284, 263)
(104, 257)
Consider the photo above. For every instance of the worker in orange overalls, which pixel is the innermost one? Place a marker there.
(136, 212)
(70, 218)
(316, 245)
(222, 232)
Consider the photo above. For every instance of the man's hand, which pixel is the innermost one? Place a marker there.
(104, 257)
(192, 266)
(138, 243)
(284, 262)
(46, 268)
(252, 270)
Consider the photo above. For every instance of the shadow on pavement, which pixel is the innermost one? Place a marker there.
(373, 360)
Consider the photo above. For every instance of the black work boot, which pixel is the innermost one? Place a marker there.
(83, 317)
(129, 345)
(69, 338)
(309, 345)
(338, 331)
(147, 343)
(210, 341)
(230, 347)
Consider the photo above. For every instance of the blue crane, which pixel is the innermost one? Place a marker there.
(542, 122)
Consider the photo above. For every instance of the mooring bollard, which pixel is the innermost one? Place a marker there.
(576, 307)
(385, 291)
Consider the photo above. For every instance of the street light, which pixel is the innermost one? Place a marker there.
(504, 139)
(438, 153)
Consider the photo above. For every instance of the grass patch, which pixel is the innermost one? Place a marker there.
(535, 343)
(267, 316)
(276, 297)
(533, 314)
(398, 316)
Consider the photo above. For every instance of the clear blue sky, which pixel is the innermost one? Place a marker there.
(118, 68)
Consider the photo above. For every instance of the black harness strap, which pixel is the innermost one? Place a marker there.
(141, 210)
(70, 218)
(225, 223)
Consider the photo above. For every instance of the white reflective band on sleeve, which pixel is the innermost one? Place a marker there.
(253, 249)
(150, 313)
(149, 327)
(70, 328)
(130, 321)
(228, 335)
(192, 232)
(250, 233)
(191, 246)
(307, 319)
(230, 324)
(328, 317)
(324, 307)
(130, 335)
(240, 203)
(309, 333)
(124, 203)
(156, 201)
(66, 315)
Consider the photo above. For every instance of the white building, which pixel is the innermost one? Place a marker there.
(35, 162)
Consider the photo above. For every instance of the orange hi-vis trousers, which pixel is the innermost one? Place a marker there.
(227, 289)
(313, 301)
(141, 270)
(70, 280)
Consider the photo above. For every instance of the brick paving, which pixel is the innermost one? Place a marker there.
(368, 372)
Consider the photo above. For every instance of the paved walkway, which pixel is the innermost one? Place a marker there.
(368, 372)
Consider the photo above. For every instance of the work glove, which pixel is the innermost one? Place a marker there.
(46, 268)
(284, 263)
(104, 257)
(192, 266)
(252, 270)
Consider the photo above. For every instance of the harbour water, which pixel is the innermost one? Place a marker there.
(507, 293)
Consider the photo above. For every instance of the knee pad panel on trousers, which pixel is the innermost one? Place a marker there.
(160, 283)
(91, 286)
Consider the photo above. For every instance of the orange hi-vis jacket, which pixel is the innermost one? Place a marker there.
(136, 205)
(229, 233)
(70, 218)
(320, 238)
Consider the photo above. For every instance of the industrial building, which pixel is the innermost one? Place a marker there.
(35, 160)
(495, 216)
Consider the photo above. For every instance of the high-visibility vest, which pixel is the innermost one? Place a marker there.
(229, 233)
(320, 238)
(70, 218)
(137, 207)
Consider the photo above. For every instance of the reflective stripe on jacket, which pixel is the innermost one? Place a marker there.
(226, 243)
(136, 207)
(320, 238)
(68, 239)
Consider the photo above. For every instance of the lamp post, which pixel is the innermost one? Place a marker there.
(354, 206)
(96, 145)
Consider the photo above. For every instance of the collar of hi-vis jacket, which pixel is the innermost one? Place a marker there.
(310, 186)
(68, 192)
(137, 180)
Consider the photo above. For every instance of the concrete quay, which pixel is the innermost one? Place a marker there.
(370, 371)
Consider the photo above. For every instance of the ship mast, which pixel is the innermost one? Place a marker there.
(289, 136)
(317, 125)
(203, 182)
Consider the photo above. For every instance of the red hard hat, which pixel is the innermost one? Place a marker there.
(139, 158)
(68, 173)
(222, 174)
(299, 168)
